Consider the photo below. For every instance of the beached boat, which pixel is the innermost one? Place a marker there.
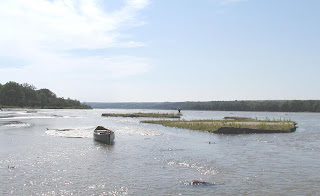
(103, 135)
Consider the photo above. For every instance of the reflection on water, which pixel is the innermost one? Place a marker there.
(52, 152)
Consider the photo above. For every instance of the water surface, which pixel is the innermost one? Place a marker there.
(38, 158)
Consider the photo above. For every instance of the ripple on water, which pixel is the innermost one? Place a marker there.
(28, 117)
(199, 183)
(32, 115)
(80, 132)
(16, 124)
(204, 170)
(139, 131)
(171, 150)
(86, 132)
(118, 191)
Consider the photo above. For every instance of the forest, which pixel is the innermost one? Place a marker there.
(268, 105)
(13, 94)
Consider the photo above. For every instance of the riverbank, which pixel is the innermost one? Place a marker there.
(230, 126)
(144, 115)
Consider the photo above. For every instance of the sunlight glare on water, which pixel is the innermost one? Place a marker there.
(52, 152)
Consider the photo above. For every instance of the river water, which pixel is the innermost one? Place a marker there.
(38, 157)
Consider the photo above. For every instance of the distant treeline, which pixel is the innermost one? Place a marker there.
(13, 94)
(269, 106)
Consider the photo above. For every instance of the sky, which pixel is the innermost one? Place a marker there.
(163, 50)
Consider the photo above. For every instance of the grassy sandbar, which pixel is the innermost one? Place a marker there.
(144, 115)
(231, 126)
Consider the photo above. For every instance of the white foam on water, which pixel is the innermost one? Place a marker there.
(204, 170)
(72, 117)
(24, 115)
(139, 131)
(18, 125)
(32, 117)
(24, 112)
(80, 132)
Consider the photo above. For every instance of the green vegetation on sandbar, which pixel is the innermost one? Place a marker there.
(144, 115)
(15, 95)
(231, 126)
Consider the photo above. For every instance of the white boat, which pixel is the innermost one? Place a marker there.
(103, 135)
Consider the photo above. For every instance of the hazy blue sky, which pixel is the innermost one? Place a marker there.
(164, 50)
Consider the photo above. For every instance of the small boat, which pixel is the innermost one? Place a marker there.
(103, 135)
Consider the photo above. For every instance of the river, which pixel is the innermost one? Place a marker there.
(38, 158)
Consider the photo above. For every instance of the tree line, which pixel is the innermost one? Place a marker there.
(268, 106)
(13, 94)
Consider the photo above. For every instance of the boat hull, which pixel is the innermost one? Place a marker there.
(106, 138)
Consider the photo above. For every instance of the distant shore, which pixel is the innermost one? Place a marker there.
(245, 105)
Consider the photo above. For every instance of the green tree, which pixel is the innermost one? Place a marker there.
(31, 96)
(15, 94)
(0, 92)
(12, 94)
